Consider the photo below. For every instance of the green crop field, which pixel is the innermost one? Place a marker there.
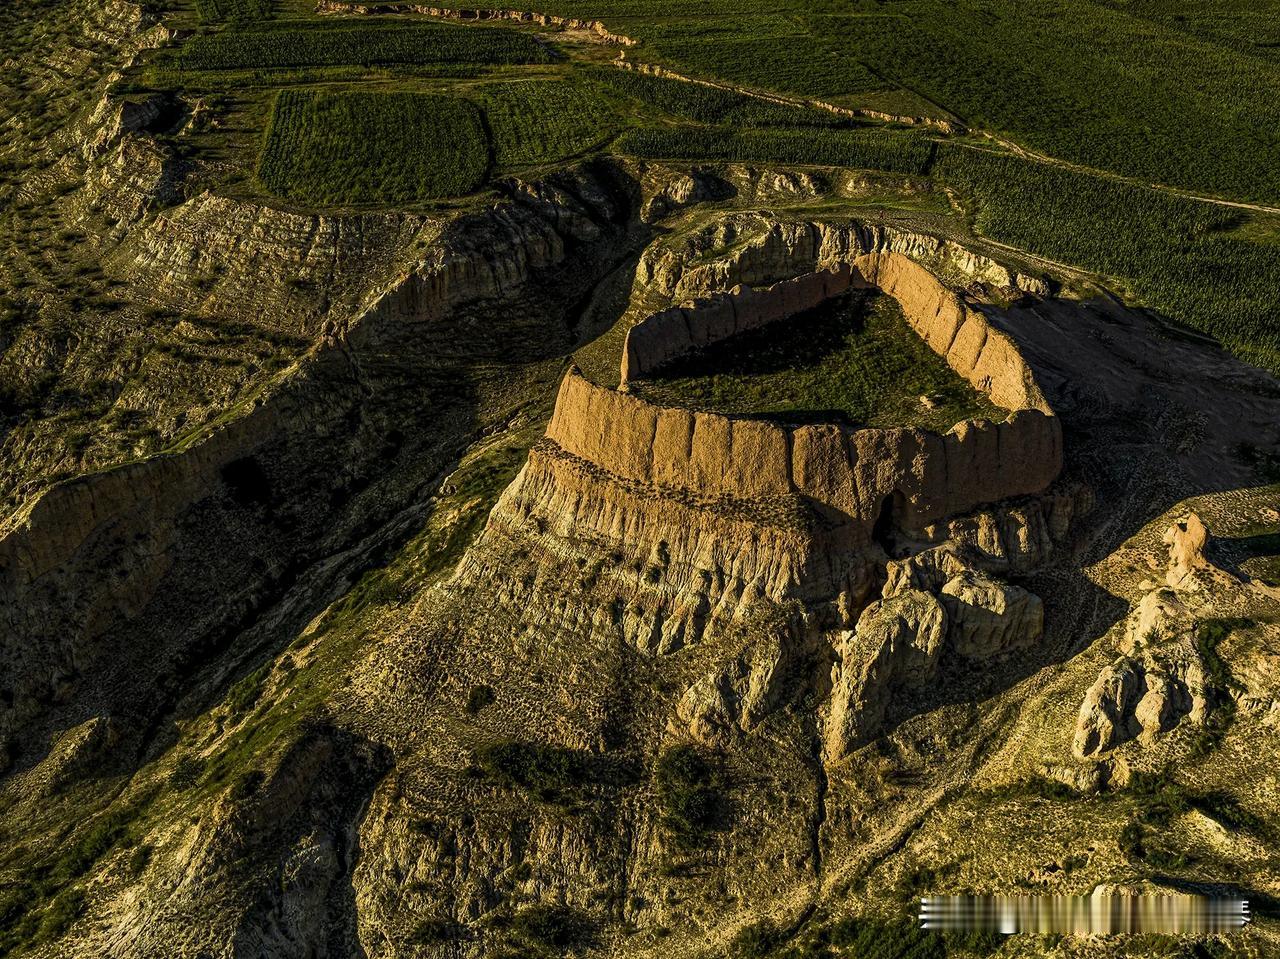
(894, 152)
(853, 361)
(233, 11)
(1127, 87)
(537, 121)
(294, 44)
(1152, 92)
(1186, 259)
(357, 147)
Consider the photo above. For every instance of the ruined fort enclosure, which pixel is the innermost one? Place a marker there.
(852, 360)
(700, 521)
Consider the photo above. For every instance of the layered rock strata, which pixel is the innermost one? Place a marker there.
(765, 251)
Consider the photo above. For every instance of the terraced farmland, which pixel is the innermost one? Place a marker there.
(290, 44)
(233, 11)
(894, 152)
(356, 147)
(536, 121)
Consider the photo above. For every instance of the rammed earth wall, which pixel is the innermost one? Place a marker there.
(983, 355)
(854, 472)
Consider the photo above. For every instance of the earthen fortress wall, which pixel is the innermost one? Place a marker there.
(854, 472)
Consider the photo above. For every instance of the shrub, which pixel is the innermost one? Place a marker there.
(248, 785)
(552, 926)
(244, 694)
(58, 918)
(1209, 634)
(478, 698)
(756, 941)
(187, 772)
(689, 798)
(139, 859)
(436, 930)
(549, 773)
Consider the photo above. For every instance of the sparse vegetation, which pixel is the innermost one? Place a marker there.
(862, 937)
(840, 362)
(42, 906)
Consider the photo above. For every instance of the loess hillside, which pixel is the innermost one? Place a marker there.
(357, 600)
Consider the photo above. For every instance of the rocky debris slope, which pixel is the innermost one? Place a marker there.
(1161, 677)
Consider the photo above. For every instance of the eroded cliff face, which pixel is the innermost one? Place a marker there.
(755, 250)
(96, 569)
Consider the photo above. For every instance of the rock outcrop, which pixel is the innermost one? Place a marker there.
(761, 250)
(1186, 540)
(989, 617)
(896, 645)
(939, 602)
(1140, 698)
(736, 697)
(593, 28)
(1158, 680)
